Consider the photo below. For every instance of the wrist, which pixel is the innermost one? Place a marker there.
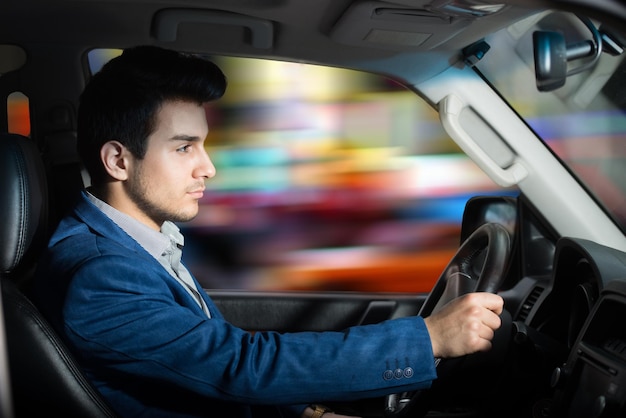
(318, 410)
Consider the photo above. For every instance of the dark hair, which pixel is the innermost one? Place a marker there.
(121, 101)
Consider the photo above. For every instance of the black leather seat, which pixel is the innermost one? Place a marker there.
(45, 379)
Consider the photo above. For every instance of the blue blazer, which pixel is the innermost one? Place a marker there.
(151, 350)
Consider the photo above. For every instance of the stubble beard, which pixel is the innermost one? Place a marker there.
(138, 193)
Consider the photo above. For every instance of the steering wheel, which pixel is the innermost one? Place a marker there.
(478, 266)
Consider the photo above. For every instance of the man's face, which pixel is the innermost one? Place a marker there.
(168, 182)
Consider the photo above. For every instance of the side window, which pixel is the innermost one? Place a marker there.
(98, 57)
(327, 179)
(17, 108)
(18, 114)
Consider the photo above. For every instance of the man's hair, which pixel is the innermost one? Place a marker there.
(121, 101)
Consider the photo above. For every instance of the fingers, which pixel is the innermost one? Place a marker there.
(465, 325)
(490, 317)
(490, 301)
(486, 333)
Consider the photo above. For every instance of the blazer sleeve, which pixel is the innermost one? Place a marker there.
(127, 317)
(130, 318)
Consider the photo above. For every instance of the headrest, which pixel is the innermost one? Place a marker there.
(23, 202)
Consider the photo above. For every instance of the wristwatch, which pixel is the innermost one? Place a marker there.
(319, 410)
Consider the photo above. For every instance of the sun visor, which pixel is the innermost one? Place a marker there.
(397, 27)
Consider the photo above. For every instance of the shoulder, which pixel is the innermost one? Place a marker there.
(87, 242)
(86, 229)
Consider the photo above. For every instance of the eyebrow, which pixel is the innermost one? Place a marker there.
(185, 138)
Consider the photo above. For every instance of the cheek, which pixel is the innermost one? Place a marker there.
(163, 180)
(167, 186)
(159, 175)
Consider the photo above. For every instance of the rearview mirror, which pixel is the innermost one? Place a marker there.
(550, 54)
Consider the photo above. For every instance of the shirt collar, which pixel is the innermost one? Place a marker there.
(170, 230)
(154, 242)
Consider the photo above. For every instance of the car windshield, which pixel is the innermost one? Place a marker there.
(583, 122)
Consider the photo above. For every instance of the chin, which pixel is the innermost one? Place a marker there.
(185, 216)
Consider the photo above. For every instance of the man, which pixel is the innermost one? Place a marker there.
(147, 336)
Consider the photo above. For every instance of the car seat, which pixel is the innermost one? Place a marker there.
(45, 378)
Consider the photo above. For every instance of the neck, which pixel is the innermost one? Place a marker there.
(113, 195)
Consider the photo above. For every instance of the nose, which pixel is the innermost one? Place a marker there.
(206, 168)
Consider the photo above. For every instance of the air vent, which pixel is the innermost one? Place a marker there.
(529, 303)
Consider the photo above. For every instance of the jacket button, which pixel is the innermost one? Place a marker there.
(408, 372)
(388, 375)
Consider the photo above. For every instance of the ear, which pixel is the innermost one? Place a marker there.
(115, 159)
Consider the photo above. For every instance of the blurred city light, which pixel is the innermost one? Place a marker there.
(327, 179)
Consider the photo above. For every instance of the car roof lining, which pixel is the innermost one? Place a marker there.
(322, 30)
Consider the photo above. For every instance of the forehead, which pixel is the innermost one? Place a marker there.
(181, 118)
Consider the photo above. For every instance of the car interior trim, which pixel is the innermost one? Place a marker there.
(559, 201)
(450, 109)
(167, 22)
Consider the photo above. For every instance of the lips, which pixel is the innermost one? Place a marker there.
(196, 193)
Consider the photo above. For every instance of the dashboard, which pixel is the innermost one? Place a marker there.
(579, 312)
(567, 302)
(592, 382)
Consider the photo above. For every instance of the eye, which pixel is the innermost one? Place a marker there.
(185, 148)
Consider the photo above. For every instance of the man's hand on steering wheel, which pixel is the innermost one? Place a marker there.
(465, 325)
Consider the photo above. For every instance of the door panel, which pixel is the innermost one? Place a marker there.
(300, 311)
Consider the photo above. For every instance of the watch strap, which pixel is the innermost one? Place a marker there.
(319, 410)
